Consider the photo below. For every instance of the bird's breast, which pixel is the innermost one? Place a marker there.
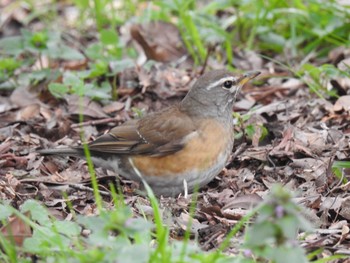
(209, 146)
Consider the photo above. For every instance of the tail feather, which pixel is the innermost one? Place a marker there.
(62, 151)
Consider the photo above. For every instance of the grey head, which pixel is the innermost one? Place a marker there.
(214, 93)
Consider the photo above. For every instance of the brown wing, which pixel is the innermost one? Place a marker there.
(157, 134)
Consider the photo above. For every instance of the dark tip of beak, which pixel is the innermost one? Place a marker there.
(247, 76)
(251, 74)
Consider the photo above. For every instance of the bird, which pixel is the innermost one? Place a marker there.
(179, 148)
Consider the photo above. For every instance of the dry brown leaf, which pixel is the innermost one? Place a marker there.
(89, 108)
(334, 203)
(113, 107)
(244, 201)
(343, 103)
(16, 230)
(345, 208)
(160, 41)
(258, 153)
(22, 98)
(248, 60)
(185, 220)
(28, 112)
(310, 169)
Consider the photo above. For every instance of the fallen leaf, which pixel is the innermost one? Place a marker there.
(161, 41)
(85, 106)
(343, 103)
(16, 230)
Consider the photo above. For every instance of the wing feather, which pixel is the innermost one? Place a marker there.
(157, 134)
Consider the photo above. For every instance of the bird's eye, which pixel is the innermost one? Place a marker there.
(228, 84)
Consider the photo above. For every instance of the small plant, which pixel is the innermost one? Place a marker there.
(338, 167)
(294, 27)
(112, 236)
(42, 43)
(273, 236)
(22, 52)
(318, 78)
(254, 132)
(25, 50)
(7, 68)
(115, 235)
(73, 83)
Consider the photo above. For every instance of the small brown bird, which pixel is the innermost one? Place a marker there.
(185, 144)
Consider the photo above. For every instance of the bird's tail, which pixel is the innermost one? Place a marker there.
(62, 151)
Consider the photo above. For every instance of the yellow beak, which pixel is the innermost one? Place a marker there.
(247, 76)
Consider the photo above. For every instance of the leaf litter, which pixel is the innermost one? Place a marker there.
(305, 135)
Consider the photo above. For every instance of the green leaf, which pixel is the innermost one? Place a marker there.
(5, 212)
(12, 45)
(277, 42)
(341, 164)
(109, 37)
(98, 69)
(37, 211)
(68, 228)
(290, 254)
(260, 234)
(290, 226)
(39, 40)
(94, 91)
(264, 132)
(71, 79)
(9, 64)
(120, 65)
(127, 254)
(62, 51)
(250, 130)
(40, 75)
(7, 68)
(94, 51)
(45, 240)
(58, 90)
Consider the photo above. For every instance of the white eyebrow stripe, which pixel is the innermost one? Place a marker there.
(219, 82)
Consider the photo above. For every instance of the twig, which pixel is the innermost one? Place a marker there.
(89, 189)
(210, 50)
(96, 122)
